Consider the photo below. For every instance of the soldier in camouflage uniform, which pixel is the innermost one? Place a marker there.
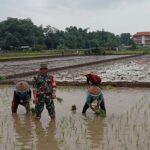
(44, 92)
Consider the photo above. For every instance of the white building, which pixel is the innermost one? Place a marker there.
(142, 38)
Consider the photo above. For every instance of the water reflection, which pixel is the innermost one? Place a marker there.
(95, 131)
(24, 127)
(46, 136)
(121, 129)
(30, 134)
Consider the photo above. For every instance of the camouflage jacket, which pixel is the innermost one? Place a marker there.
(44, 84)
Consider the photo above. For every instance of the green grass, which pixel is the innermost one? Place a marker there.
(34, 54)
(125, 52)
(49, 53)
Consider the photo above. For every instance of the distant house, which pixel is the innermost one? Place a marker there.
(25, 48)
(142, 38)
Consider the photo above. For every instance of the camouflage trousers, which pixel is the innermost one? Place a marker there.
(49, 106)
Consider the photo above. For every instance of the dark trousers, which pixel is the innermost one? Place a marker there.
(86, 106)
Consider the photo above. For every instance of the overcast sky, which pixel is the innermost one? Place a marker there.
(117, 16)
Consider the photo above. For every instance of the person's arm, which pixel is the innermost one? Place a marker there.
(53, 88)
(29, 93)
(14, 96)
(35, 97)
(100, 100)
(92, 108)
(34, 90)
(90, 105)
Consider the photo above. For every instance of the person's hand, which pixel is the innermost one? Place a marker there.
(93, 109)
(35, 100)
(53, 95)
(96, 108)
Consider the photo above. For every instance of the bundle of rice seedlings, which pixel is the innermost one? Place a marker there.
(73, 107)
(100, 113)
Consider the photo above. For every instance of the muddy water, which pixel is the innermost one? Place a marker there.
(126, 126)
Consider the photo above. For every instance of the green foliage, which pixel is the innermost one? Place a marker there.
(32, 110)
(126, 39)
(59, 99)
(95, 51)
(133, 45)
(38, 47)
(15, 33)
(101, 113)
(2, 77)
(19, 32)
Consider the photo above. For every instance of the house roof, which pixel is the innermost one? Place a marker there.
(142, 34)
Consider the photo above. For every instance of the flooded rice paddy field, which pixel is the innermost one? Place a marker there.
(15, 67)
(126, 126)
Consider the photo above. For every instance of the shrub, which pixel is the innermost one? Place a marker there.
(2, 77)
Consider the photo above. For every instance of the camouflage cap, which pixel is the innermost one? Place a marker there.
(43, 65)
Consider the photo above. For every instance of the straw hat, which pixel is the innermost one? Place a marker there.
(22, 86)
(94, 90)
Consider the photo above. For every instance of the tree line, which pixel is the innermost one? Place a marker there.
(15, 33)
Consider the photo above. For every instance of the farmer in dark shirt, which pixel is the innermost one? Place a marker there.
(22, 96)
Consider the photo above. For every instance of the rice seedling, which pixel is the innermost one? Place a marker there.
(100, 113)
(60, 100)
(73, 107)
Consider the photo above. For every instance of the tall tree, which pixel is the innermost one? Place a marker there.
(19, 32)
(125, 39)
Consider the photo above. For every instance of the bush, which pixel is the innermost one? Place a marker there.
(38, 47)
(2, 77)
(95, 51)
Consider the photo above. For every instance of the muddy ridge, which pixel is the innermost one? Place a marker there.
(75, 83)
(29, 73)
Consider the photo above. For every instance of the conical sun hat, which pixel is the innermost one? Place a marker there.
(94, 90)
(22, 86)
